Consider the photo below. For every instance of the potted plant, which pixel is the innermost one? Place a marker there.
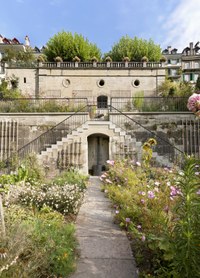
(126, 60)
(144, 60)
(77, 60)
(94, 61)
(108, 60)
(163, 59)
(58, 60)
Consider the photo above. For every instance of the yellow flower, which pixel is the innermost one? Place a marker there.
(152, 141)
(146, 146)
(65, 255)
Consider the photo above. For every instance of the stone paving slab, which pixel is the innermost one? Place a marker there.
(105, 251)
(105, 247)
(95, 231)
(105, 268)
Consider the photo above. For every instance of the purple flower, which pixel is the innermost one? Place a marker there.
(139, 227)
(142, 201)
(117, 212)
(198, 192)
(128, 220)
(142, 193)
(110, 162)
(197, 173)
(174, 191)
(143, 238)
(151, 195)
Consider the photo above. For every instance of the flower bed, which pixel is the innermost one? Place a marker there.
(39, 239)
(159, 208)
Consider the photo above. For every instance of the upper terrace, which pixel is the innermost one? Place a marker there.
(87, 65)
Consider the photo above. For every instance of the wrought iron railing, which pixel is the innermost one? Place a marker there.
(169, 150)
(165, 152)
(34, 105)
(56, 133)
(150, 104)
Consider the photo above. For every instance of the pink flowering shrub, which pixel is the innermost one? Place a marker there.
(194, 104)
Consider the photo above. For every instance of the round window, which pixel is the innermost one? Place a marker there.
(66, 82)
(136, 83)
(101, 83)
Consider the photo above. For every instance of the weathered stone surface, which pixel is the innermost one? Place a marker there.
(105, 268)
(105, 250)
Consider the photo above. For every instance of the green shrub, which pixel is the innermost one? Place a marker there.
(42, 246)
(71, 177)
(138, 100)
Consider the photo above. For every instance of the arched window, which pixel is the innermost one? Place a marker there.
(102, 102)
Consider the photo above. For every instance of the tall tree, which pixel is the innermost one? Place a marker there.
(67, 46)
(135, 48)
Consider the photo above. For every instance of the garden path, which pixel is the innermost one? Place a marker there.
(105, 250)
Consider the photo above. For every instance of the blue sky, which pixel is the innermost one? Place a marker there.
(104, 22)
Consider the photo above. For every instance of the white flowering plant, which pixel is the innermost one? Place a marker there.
(65, 199)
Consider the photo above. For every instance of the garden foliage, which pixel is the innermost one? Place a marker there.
(39, 239)
(159, 208)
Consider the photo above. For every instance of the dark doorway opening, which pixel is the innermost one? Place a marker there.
(102, 102)
(98, 153)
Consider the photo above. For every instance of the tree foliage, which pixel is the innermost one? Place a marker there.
(67, 46)
(9, 88)
(177, 89)
(22, 56)
(197, 86)
(135, 48)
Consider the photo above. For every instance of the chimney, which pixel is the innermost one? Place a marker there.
(169, 48)
(191, 48)
(27, 41)
(1, 39)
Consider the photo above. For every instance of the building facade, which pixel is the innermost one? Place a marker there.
(88, 80)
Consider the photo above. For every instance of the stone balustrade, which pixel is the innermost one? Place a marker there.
(87, 65)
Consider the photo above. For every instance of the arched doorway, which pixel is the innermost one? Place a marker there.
(98, 153)
(102, 101)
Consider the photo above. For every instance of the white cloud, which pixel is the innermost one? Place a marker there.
(182, 26)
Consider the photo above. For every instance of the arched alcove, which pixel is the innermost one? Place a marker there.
(98, 153)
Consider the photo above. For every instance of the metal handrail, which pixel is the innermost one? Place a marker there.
(150, 104)
(153, 134)
(54, 134)
(35, 105)
(147, 129)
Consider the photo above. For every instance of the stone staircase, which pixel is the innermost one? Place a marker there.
(70, 150)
